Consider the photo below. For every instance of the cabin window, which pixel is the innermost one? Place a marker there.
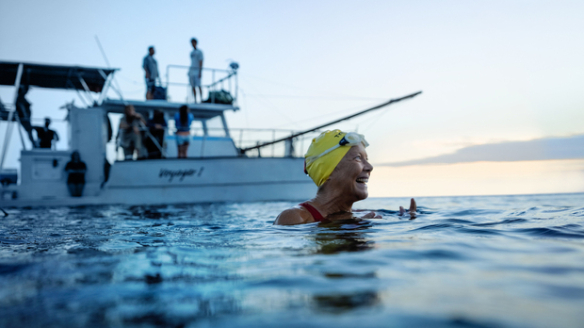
(215, 127)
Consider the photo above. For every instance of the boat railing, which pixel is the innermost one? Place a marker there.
(214, 80)
(248, 137)
(241, 138)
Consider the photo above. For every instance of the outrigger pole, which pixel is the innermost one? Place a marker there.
(295, 135)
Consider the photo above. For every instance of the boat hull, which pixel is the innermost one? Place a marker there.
(193, 180)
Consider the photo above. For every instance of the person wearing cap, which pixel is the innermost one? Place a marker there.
(337, 162)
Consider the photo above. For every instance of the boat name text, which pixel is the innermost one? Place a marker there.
(180, 174)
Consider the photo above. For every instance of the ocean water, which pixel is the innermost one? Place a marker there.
(498, 261)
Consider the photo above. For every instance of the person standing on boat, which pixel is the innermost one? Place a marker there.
(337, 162)
(76, 179)
(150, 67)
(196, 69)
(45, 135)
(182, 121)
(130, 132)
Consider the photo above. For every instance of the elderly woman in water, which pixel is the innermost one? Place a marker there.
(338, 164)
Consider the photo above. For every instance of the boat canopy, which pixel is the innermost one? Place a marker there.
(56, 76)
(199, 111)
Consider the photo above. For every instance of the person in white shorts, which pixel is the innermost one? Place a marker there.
(196, 69)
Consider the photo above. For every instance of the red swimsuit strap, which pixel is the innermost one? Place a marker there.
(315, 213)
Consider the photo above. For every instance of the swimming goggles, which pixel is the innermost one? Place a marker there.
(351, 139)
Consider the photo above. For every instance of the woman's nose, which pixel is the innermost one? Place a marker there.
(368, 167)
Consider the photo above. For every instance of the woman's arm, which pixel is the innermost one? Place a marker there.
(141, 118)
(76, 170)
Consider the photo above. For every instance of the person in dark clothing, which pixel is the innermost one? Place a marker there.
(45, 135)
(76, 170)
(156, 126)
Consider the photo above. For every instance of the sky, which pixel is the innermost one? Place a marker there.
(502, 105)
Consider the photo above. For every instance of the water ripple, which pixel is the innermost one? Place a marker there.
(508, 261)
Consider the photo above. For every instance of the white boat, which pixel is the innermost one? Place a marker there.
(216, 170)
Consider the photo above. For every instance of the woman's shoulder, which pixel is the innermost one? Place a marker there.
(294, 215)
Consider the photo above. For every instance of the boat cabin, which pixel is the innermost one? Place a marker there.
(210, 136)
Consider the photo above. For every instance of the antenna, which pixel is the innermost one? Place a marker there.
(117, 88)
(102, 52)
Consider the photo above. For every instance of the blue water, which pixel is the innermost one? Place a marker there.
(504, 261)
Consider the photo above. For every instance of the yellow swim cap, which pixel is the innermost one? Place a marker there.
(326, 151)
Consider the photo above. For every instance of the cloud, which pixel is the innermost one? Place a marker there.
(532, 150)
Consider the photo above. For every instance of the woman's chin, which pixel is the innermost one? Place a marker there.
(361, 193)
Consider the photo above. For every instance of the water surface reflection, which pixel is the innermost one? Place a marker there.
(482, 261)
(340, 237)
(343, 236)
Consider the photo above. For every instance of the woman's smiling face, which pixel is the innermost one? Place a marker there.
(352, 173)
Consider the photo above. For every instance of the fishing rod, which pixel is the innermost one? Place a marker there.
(295, 135)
